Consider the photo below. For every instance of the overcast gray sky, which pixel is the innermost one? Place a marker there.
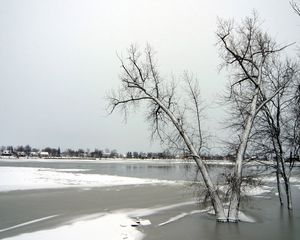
(58, 59)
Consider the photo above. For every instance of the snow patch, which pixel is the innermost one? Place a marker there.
(71, 170)
(182, 215)
(253, 191)
(111, 226)
(23, 178)
(145, 222)
(246, 218)
(250, 190)
(173, 219)
(241, 216)
(150, 211)
(294, 179)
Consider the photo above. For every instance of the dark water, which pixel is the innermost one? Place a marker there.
(272, 223)
(163, 170)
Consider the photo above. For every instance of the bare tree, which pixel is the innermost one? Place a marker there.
(295, 7)
(173, 119)
(276, 131)
(246, 51)
(294, 123)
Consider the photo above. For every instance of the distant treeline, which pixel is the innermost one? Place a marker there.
(48, 152)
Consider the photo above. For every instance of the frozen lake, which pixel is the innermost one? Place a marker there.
(56, 198)
(158, 169)
(155, 169)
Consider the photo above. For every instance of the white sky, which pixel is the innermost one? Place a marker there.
(58, 59)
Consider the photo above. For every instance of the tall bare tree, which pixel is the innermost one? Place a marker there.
(246, 51)
(275, 129)
(173, 118)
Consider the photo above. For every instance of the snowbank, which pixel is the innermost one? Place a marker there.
(22, 178)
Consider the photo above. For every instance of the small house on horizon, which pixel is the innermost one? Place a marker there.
(34, 154)
(21, 154)
(7, 153)
(44, 154)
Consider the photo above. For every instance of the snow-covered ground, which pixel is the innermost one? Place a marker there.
(267, 179)
(24, 178)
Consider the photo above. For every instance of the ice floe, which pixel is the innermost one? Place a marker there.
(23, 178)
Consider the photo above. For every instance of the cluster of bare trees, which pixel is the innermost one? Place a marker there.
(276, 132)
(261, 84)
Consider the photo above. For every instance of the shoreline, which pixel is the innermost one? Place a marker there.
(139, 160)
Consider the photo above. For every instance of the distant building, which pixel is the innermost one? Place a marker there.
(44, 154)
(6, 153)
(34, 154)
(21, 154)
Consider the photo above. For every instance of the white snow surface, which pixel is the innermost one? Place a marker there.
(254, 191)
(114, 226)
(294, 179)
(23, 178)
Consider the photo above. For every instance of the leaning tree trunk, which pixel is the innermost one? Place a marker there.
(237, 177)
(216, 201)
